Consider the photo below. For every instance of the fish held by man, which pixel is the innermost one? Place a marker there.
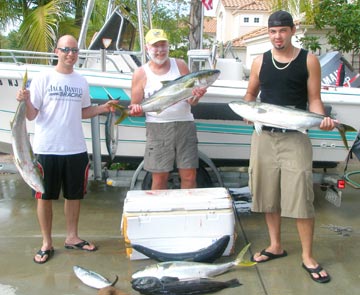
(111, 131)
(191, 270)
(207, 254)
(24, 158)
(154, 286)
(92, 279)
(174, 91)
(261, 113)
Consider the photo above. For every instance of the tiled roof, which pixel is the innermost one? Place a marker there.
(238, 42)
(210, 25)
(262, 5)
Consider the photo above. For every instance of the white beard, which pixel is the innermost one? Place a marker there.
(158, 61)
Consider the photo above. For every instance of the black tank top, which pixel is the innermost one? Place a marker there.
(287, 87)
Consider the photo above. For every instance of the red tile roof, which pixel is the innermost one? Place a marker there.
(210, 25)
(247, 4)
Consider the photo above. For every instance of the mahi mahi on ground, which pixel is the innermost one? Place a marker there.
(191, 270)
(173, 92)
(24, 158)
(261, 113)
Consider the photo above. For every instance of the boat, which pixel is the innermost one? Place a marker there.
(224, 138)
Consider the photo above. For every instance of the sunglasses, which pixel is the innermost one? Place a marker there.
(68, 49)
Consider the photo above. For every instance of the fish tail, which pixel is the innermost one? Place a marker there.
(233, 283)
(115, 281)
(25, 79)
(240, 258)
(343, 128)
(124, 113)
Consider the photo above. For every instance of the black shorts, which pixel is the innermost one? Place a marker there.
(68, 173)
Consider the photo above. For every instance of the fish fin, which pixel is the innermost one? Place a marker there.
(123, 113)
(115, 281)
(247, 263)
(262, 111)
(343, 128)
(233, 283)
(258, 127)
(240, 258)
(25, 80)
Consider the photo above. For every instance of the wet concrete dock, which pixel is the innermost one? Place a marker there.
(101, 211)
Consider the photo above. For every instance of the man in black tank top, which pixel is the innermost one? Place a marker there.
(281, 162)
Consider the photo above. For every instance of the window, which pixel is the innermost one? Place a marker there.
(246, 20)
(256, 20)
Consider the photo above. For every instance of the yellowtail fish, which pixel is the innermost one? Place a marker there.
(191, 270)
(261, 113)
(174, 91)
(24, 158)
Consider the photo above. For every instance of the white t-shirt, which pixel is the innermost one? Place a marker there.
(180, 111)
(59, 99)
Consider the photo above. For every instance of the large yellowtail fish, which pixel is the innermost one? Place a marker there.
(261, 113)
(174, 91)
(191, 270)
(23, 154)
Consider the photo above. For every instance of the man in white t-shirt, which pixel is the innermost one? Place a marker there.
(57, 100)
(171, 135)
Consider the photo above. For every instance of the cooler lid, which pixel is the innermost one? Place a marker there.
(177, 200)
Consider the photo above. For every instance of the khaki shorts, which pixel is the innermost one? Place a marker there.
(280, 174)
(167, 143)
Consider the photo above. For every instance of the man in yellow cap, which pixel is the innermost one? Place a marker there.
(171, 135)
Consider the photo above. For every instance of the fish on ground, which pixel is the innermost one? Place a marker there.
(207, 254)
(261, 113)
(154, 286)
(92, 279)
(24, 158)
(191, 270)
(174, 91)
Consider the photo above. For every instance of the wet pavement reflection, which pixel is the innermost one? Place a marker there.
(100, 223)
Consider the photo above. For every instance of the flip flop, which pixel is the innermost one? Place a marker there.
(317, 271)
(49, 253)
(80, 246)
(270, 256)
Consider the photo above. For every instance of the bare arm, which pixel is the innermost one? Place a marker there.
(314, 89)
(93, 111)
(31, 111)
(254, 82)
(137, 91)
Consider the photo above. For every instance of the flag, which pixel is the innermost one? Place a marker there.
(207, 4)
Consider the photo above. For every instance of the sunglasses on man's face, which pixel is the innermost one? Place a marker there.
(68, 49)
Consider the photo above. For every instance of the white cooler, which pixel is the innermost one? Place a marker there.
(177, 221)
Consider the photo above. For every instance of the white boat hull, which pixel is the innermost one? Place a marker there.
(220, 139)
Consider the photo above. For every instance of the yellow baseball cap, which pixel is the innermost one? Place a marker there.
(155, 35)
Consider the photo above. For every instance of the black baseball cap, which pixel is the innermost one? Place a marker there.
(280, 18)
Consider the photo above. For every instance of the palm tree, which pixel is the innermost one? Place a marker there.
(43, 21)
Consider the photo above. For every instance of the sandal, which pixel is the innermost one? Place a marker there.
(269, 255)
(47, 254)
(317, 271)
(80, 246)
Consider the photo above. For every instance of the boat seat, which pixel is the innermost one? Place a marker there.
(201, 56)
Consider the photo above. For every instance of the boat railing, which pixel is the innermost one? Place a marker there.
(118, 61)
(22, 56)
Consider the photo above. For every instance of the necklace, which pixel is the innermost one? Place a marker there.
(283, 68)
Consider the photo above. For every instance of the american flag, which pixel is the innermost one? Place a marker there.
(207, 4)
